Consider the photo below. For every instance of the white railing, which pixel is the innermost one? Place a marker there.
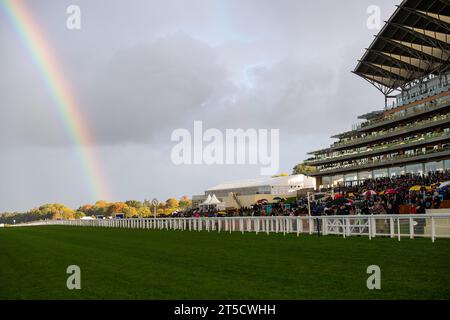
(395, 226)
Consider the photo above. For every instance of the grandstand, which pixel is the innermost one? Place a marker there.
(408, 61)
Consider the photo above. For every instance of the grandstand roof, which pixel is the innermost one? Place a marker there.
(413, 44)
(265, 181)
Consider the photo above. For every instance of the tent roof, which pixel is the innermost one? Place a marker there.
(207, 201)
(214, 200)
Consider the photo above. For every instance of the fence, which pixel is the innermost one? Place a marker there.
(395, 226)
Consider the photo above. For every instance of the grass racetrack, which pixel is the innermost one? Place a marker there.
(144, 264)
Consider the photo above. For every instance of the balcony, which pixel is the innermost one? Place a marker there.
(411, 112)
(400, 159)
(425, 124)
(415, 142)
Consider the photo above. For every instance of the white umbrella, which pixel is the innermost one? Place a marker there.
(370, 193)
(444, 184)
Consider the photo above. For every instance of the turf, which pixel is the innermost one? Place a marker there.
(143, 264)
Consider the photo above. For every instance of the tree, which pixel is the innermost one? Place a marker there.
(130, 212)
(101, 207)
(87, 209)
(144, 212)
(172, 203)
(304, 169)
(185, 202)
(134, 203)
(117, 207)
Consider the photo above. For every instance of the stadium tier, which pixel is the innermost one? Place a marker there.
(410, 57)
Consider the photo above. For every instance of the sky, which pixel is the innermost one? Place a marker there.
(141, 69)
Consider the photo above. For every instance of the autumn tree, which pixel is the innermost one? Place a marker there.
(144, 212)
(304, 169)
(134, 203)
(130, 212)
(172, 203)
(185, 202)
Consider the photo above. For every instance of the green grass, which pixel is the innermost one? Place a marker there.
(143, 264)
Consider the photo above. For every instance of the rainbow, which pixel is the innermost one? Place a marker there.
(60, 90)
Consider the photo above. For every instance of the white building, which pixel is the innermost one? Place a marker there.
(247, 192)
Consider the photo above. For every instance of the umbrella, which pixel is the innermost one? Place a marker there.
(391, 191)
(444, 184)
(339, 202)
(351, 195)
(370, 193)
(415, 188)
(338, 196)
(262, 201)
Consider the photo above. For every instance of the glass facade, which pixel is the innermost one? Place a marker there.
(397, 171)
(351, 177)
(326, 181)
(363, 175)
(415, 168)
(434, 166)
(337, 180)
(380, 173)
(447, 164)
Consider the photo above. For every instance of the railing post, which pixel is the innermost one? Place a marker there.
(374, 226)
(344, 228)
(398, 228)
(311, 226)
(411, 228)
(433, 230)
(391, 226)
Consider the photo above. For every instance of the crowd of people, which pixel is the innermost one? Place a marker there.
(388, 195)
(415, 192)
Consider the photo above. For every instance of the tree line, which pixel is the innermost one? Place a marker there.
(130, 209)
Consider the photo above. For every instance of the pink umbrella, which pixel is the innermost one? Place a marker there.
(370, 193)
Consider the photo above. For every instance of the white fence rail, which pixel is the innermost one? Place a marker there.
(395, 226)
